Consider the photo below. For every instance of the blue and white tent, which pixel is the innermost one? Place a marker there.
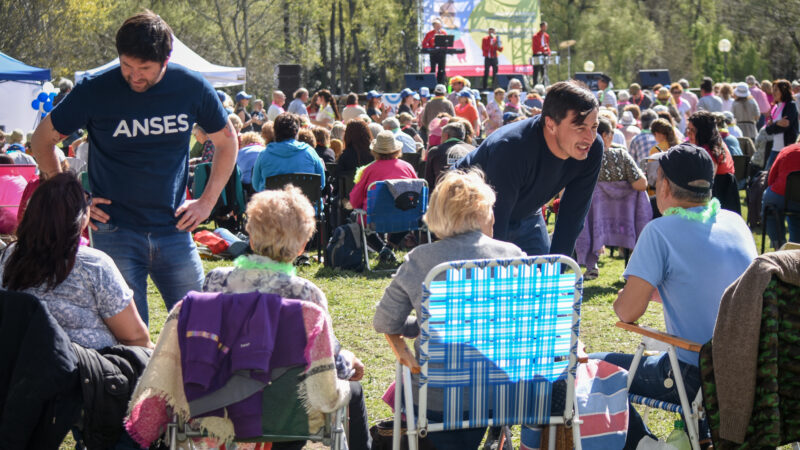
(20, 84)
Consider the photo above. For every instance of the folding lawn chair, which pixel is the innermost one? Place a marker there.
(500, 332)
(230, 204)
(383, 215)
(657, 340)
(310, 184)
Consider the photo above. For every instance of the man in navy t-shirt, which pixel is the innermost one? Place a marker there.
(531, 161)
(139, 117)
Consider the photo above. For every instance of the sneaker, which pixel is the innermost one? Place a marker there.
(591, 274)
(387, 255)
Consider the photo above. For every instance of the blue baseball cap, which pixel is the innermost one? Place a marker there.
(242, 95)
(222, 96)
(425, 92)
(406, 93)
(373, 94)
(465, 93)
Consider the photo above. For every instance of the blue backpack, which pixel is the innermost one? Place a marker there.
(344, 249)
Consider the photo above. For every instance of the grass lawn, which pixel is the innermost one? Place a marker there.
(352, 298)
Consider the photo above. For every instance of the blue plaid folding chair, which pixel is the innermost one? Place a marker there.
(496, 336)
(384, 216)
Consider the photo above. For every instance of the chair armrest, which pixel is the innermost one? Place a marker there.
(360, 212)
(402, 352)
(661, 336)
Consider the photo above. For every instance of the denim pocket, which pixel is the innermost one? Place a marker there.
(104, 228)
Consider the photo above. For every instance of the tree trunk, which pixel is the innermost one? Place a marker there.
(332, 66)
(354, 29)
(287, 42)
(343, 59)
(323, 51)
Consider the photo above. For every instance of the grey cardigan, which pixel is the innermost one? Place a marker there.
(405, 291)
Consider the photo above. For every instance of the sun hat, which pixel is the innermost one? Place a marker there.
(688, 166)
(729, 119)
(627, 119)
(741, 91)
(458, 79)
(385, 143)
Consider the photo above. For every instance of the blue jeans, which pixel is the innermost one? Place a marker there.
(529, 234)
(649, 382)
(171, 260)
(776, 230)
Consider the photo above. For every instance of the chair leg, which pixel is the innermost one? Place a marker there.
(551, 439)
(411, 422)
(576, 427)
(398, 403)
(366, 248)
(691, 423)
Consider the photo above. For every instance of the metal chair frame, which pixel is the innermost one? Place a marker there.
(311, 185)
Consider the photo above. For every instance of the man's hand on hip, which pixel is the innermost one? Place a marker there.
(192, 213)
(98, 214)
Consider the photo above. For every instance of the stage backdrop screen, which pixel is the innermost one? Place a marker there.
(515, 21)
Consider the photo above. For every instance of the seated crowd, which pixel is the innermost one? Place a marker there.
(664, 143)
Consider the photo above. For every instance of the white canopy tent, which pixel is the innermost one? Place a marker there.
(218, 76)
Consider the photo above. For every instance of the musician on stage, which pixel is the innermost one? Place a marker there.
(490, 45)
(437, 59)
(541, 46)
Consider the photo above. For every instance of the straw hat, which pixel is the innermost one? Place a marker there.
(385, 143)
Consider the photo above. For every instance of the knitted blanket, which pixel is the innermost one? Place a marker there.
(159, 392)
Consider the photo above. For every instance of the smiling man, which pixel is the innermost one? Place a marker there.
(139, 117)
(529, 162)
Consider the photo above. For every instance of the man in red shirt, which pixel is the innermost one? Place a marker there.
(490, 45)
(437, 59)
(541, 46)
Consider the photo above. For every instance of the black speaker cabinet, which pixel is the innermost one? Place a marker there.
(414, 81)
(588, 78)
(651, 77)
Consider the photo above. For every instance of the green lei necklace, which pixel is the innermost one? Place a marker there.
(243, 262)
(702, 216)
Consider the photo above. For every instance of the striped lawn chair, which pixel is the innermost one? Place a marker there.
(500, 333)
(383, 216)
(660, 341)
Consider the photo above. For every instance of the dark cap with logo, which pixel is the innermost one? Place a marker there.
(688, 166)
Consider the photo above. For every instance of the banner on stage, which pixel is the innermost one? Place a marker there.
(514, 21)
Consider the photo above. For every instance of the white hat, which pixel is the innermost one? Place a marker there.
(385, 143)
(741, 90)
(627, 119)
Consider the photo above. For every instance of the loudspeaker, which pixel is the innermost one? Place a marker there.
(651, 77)
(414, 81)
(504, 78)
(588, 78)
(288, 78)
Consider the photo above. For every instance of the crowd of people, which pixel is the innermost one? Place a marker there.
(493, 169)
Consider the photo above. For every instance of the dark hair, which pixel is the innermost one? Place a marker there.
(145, 36)
(707, 135)
(666, 116)
(326, 94)
(5, 159)
(785, 89)
(358, 137)
(371, 103)
(322, 136)
(664, 127)
(307, 136)
(604, 126)
(352, 99)
(707, 85)
(48, 236)
(647, 118)
(286, 126)
(566, 96)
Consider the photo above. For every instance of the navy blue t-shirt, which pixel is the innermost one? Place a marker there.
(139, 142)
(526, 175)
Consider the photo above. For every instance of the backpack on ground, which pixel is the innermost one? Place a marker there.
(344, 249)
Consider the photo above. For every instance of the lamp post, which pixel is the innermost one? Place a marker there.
(725, 47)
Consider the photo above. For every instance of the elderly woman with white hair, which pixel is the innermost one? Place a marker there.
(280, 223)
(460, 213)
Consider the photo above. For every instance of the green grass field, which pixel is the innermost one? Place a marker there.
(352, 298)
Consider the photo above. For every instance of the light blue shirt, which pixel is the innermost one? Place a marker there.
(409, 144)
(297, 107)
(289, 156)
(246, 160)
(691, 264)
